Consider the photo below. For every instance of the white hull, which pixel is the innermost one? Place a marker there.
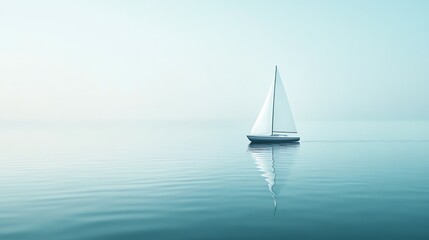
(272, 138)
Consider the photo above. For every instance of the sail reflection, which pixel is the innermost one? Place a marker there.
(273, 160)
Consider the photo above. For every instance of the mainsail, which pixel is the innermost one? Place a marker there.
(275, 115)
(282, 115)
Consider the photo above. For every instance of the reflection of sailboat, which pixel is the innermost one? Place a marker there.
(275, 121)
(269, 156)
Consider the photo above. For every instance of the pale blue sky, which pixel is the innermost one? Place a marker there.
(132, 60)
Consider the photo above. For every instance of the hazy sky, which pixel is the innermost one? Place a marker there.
(109, 60)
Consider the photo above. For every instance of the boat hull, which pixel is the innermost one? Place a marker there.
(272, 138)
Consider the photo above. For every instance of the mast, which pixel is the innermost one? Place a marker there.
(274, 98)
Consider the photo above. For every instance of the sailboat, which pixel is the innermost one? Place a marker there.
(275, 121)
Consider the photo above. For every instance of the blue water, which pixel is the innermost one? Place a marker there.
(202, 180)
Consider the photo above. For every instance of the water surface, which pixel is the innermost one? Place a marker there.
(195, 180)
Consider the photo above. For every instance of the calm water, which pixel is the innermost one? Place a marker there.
(195, 180)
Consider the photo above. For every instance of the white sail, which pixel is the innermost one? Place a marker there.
(263, 124)
(283, 119)
(275, 115)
